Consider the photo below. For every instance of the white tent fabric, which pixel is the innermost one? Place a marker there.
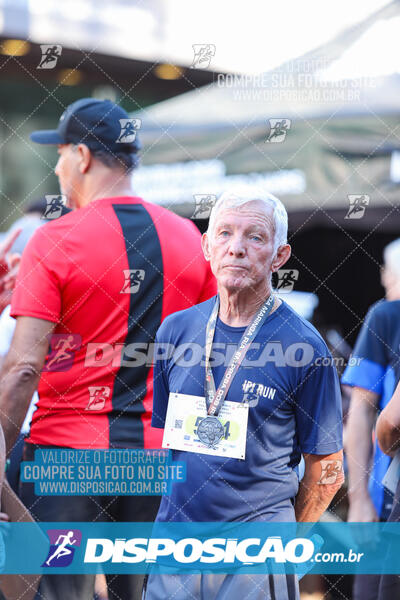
(341, 133)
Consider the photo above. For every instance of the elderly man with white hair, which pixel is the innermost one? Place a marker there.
(373, 378)
(258, 399)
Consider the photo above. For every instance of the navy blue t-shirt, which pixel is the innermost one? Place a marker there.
(375, 366)
(295, 408)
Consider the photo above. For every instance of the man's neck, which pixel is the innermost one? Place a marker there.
(237, 309)
(107, 185)
(393, 293)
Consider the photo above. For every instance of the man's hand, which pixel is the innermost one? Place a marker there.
(388, 425)
(323, 477)
(9, 263)
(362, 510)
(14, 261)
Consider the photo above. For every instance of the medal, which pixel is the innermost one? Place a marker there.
(210, 431)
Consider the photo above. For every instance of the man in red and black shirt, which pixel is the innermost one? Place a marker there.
(97, 283)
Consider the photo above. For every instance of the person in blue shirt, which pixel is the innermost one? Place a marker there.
(388, 435)
(286, 378)
(373, 373)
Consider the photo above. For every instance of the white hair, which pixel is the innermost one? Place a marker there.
(238, 197)
(391, 256)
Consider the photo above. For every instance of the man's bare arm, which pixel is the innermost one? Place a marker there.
(21, 372)
(323, 477)
(388, 425)
(360, 425)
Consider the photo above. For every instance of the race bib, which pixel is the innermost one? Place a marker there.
(189, 428)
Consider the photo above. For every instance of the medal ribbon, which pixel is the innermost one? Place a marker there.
(215, 398)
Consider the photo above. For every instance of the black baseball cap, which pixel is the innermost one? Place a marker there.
(99, 124)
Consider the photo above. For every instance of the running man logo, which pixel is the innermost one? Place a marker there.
(98, 396)
(278, 129)
(203, 54)
(129, 128)
(358, 206)
(54, 206)
(204, 205)
(62, 547)
(133, 279)
(331, 469)
(286, 280)
(62, 351)
(50, 55)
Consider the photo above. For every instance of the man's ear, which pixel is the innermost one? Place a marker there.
(282, 256)
(84, 158)
(205, 246)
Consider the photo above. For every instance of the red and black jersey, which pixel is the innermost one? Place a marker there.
(107, 275)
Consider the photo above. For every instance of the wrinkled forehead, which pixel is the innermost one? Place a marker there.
(254, 211)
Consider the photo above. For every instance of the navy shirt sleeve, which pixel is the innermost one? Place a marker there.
(368, 364)
(160, 379)
(318, 407)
